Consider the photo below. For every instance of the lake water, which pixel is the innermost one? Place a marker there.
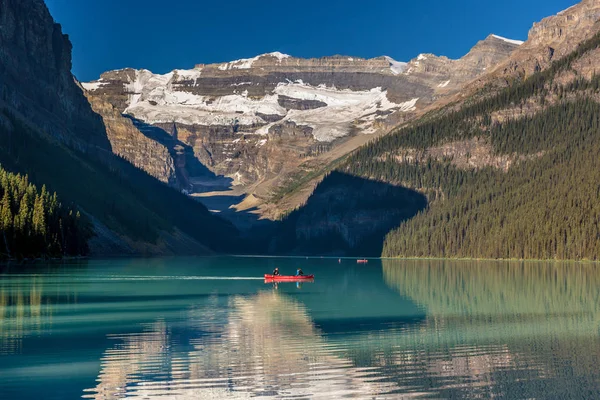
(210, 328)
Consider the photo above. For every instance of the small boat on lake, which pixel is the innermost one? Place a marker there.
(284, 278)
(364, 261)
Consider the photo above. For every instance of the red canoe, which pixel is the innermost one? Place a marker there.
(283, 278)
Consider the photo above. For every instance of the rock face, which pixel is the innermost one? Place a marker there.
(49, 132)
(36, 84)
(129, 142)
(453, 74)
(550, 39)
(254, 121)
(35, 76)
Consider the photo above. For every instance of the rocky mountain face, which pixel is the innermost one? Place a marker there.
(37, 84)
(232, 116)
(49, 131)
(260, 122)
(509, 172)
(453, 74)
(128, 142)
(35, 76)
(550, 39)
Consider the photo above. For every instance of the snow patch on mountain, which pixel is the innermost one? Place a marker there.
(163, 106)
(511, 41)
(344, 108)
(247, 63)
(155, 98)
(278, 55)
(91, 86)
(410, 105)
(188, 74)
(397, 67)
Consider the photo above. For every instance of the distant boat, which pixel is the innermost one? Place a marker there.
(283, 278)
(363, 261)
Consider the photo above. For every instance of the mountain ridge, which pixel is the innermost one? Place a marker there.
(50, 132)
(251, 129)
(256, 122)
(510, 171)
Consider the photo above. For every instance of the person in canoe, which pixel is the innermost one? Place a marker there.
(276, 272)
(299, 272)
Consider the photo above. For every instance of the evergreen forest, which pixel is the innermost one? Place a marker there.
(545, 206)
(34, 223)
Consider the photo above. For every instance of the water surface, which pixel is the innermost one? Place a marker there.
(210, 328)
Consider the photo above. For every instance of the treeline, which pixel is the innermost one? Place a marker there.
(542, 208)
(437, 179)
(468, 121)
(34, 223)
(566, 126)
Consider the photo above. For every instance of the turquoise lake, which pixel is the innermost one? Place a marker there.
(211, 328)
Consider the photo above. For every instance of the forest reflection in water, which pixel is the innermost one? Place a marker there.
(399, 329)
(545, 314)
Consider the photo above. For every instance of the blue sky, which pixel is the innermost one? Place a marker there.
(161, 35)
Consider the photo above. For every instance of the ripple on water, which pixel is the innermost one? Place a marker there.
(190, 336)
(259, 346)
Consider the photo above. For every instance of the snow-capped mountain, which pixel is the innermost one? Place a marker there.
(258, 120)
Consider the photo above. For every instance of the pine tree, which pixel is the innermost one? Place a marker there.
(6, 217)
(39, 219)
(23, 216)
(6, 220)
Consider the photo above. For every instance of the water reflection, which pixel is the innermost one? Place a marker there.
(264, 346)
(211, 328)
(135, 358)
(24, 311)
(493, 325)
(473, 288)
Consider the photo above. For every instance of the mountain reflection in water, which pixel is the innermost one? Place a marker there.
(264, 345)
(395, 329)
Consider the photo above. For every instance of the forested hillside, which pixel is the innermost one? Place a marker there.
(126, 200)
(544, 204)
(34, 222)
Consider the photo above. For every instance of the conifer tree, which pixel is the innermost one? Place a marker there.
(39, 220)
(32, 221)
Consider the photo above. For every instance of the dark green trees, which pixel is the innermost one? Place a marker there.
(545, 206)
(33, 223)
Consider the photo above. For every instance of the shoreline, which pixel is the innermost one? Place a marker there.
(412, 258)
(31, 261)
(536, 260)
